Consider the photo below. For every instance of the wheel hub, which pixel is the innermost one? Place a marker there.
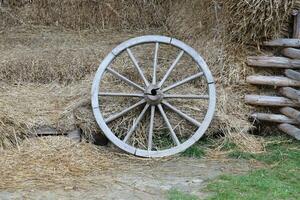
(153, 94)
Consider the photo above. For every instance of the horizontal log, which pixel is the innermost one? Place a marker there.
(291, 53)
(272, 61)
(291, 113)
(272, 80)
(290, 93)
(283, 42)
(290, 130)
(295, 75)
(276, 118)
(269, 101)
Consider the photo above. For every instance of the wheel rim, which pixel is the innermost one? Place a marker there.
(153, 96)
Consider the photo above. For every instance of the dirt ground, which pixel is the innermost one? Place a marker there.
(135, 180)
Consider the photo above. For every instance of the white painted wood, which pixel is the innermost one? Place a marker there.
(96, 99)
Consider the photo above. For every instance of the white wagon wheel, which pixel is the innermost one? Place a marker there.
(153, 97)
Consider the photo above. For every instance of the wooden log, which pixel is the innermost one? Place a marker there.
(292, 74)
(291, 113)
(283, 42)
(75, 135)
(272, 61)
(296, 27)
(290, 93)
(276, 118)
(272, 80)
(270, 101)
(45, 131)
(290, 130)
(291, 53)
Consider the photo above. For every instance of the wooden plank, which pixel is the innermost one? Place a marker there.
(290, 130)
(260, 100)
(291, 53)
(272, 61)
(290, 93)
(45, 131)
(283, 42)
(296, 27)
(272, 80)
(75, 135)
(276, 118)
(291, 113)
(295, 75)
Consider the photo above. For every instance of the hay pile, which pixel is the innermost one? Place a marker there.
(86, 14)
(50, 67)
(53, 161)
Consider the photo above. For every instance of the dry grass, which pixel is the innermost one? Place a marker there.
(52, 161)
(57, 65)
(257, 20)
(97, 15)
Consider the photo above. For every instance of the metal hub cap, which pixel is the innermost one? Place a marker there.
(151, 95)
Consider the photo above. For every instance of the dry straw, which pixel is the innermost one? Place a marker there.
(40, 163)
(47, 70)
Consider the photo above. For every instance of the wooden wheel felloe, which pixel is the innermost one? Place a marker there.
(153, 96)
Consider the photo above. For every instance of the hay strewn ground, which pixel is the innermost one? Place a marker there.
(51, 161)
(51, 49)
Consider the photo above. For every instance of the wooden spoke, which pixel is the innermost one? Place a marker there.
(173, 134)
(171, 69)
(137, 66)
(151, 126)
(183, 81)
(186, 96)
(123, 112)
(120, 94)
(123, 78)
(155, 63)
(183, 115)
(136, 122)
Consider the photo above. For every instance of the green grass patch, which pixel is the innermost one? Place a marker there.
(198, 150)
(194, 151)
(280, 180)
(174, 194)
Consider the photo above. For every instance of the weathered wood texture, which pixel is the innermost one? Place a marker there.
(272, 61)
(45, 131)
(272, 80)
(290, 130)
(296, 27)
(291, 113)
(276, 118)
(290, 93)
(283, 42)
(75, 135)
(291, 53)
(295, 75)
(270, 101)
